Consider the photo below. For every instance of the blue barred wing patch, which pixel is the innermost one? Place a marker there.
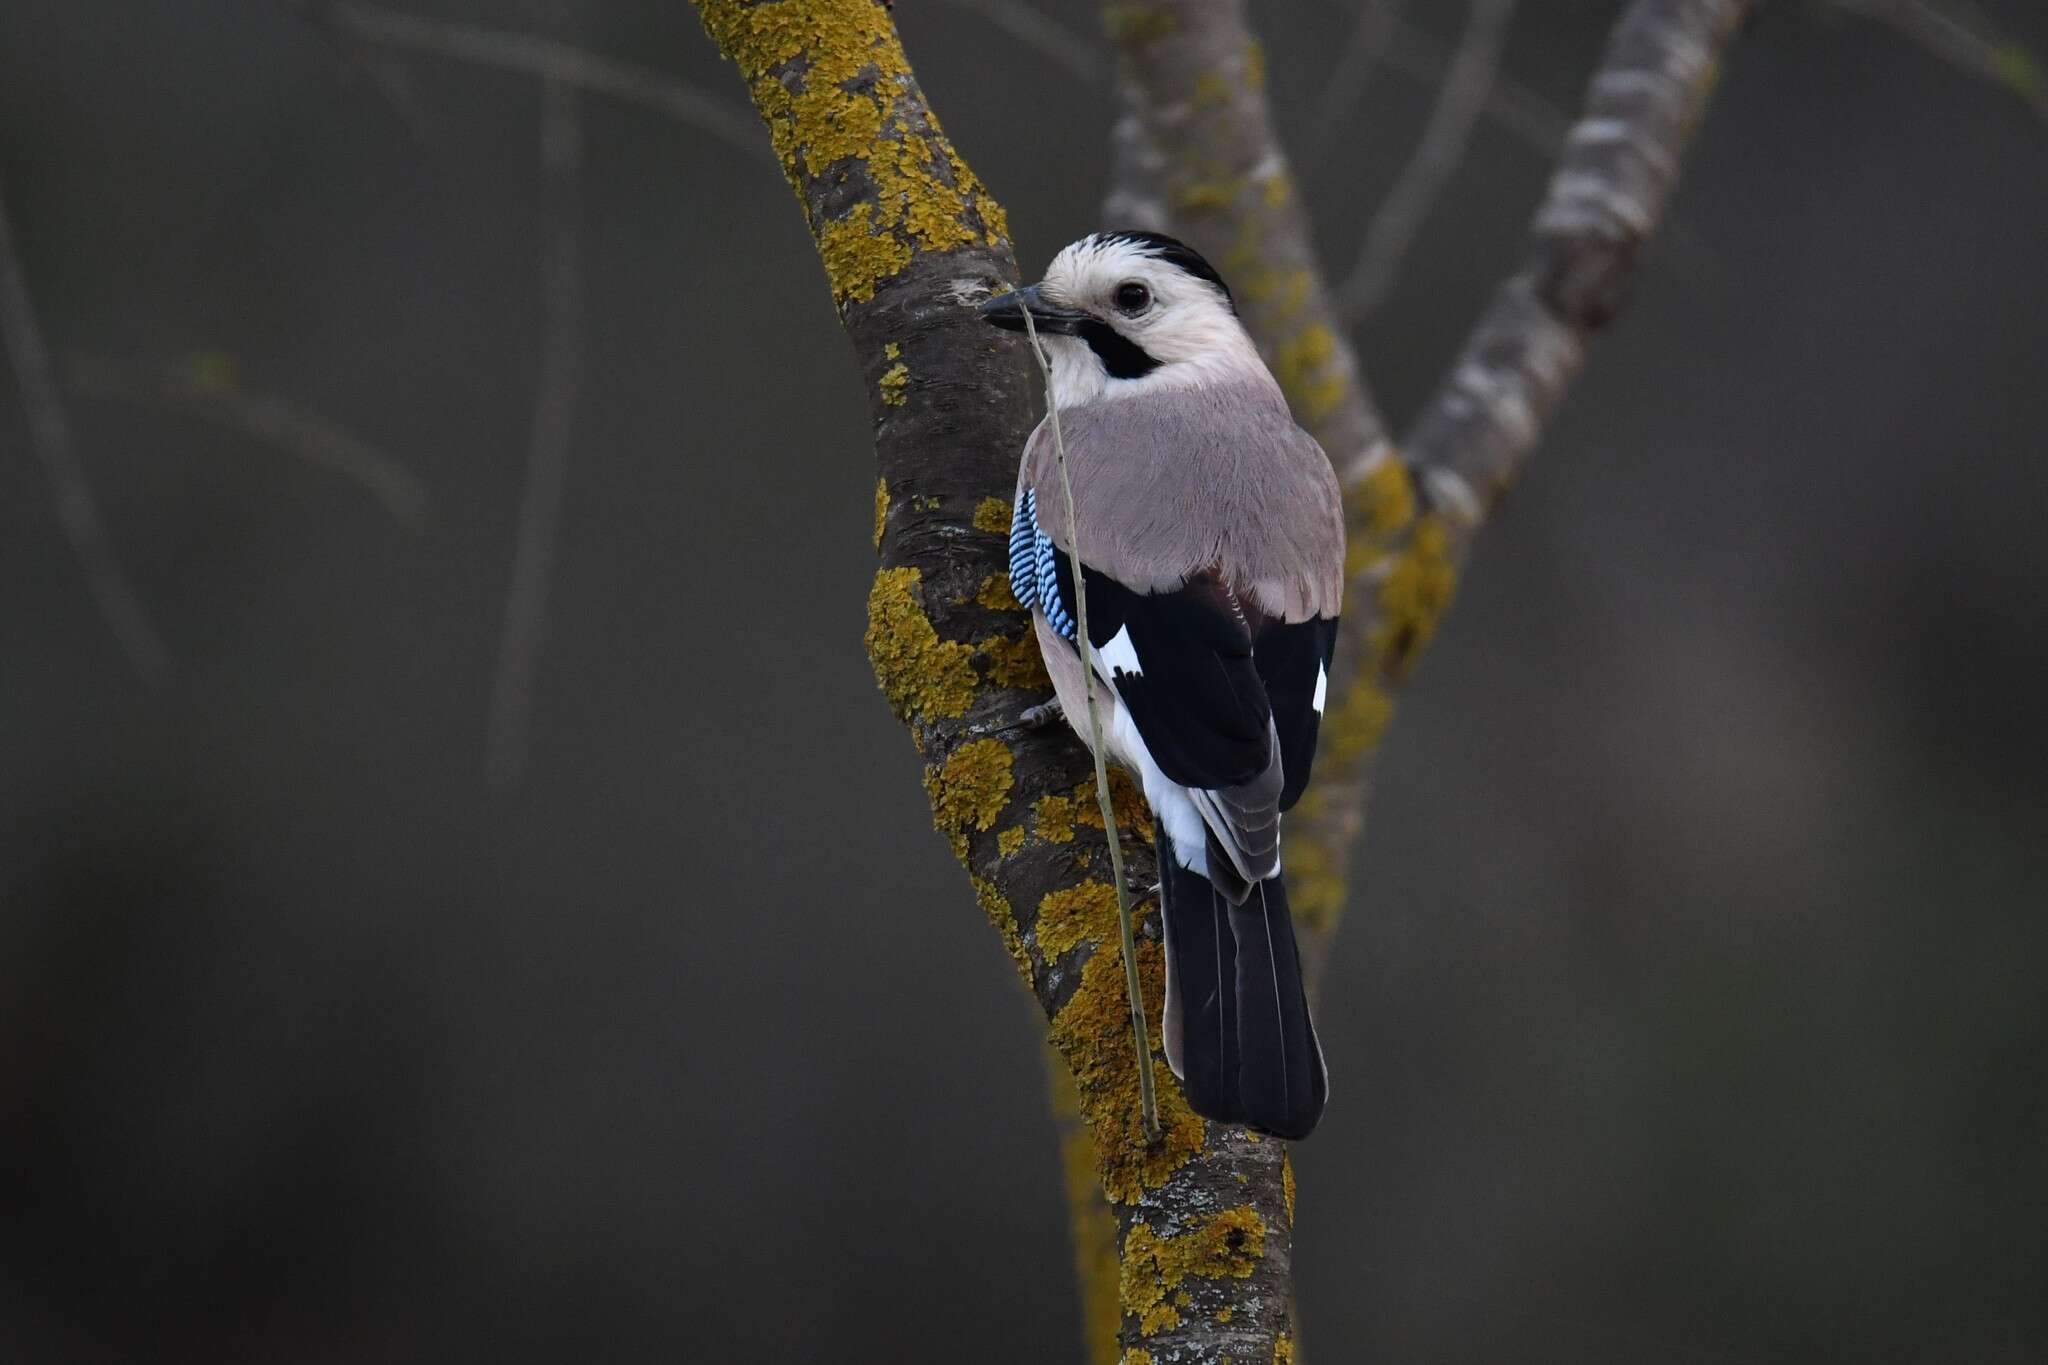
(1033, 578)
(1023, 535)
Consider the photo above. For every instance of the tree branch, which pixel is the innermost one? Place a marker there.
(78, 510)
(207, 388)
(1517, 109)
(1960, 36)
(1046, 36)
(1606, 198)
(1404, 549)
(910, 240)
(1421, 182)
(544, 57)
(1373, 33)
(548, 447)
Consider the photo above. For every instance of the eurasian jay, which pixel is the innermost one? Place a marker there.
(1210, 539)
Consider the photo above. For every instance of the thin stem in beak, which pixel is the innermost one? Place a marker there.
(1148, 1100)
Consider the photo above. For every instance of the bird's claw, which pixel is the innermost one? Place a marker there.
(1042, 715)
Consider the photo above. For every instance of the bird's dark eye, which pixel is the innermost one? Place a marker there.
(1132, 297)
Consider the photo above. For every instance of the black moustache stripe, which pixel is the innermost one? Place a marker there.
(1120, 356)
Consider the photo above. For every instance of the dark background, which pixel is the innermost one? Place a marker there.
(1692, 1004)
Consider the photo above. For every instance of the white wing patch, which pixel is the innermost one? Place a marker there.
(1120, 655)
(1322, 688)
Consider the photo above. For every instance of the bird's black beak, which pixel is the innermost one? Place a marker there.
(1007, 312)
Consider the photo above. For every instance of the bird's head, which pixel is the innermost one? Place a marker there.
(1130, 312)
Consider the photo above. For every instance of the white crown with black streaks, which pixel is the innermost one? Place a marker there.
(1124, 313)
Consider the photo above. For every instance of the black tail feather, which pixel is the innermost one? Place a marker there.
(1240, 1033)
(1281, 1084)
(1201, 972)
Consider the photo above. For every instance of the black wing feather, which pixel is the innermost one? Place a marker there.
(1199, 702)
(1290, 659)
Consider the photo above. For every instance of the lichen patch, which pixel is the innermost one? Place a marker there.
(1156, 1268)
(919, 673)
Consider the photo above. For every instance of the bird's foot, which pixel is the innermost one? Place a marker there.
(1042, 715)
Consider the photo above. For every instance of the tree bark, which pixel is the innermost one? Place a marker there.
(910, 241)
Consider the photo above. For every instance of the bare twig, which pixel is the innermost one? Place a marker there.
(1429, 169)
(1041, 33)
(1518, 109)
(572, 66)
(1148, 1101)
(213, 394)
(1379, 23)
(77, 509)
(1605, 200)
(385, 73)
(547, 468)
(1960, 35)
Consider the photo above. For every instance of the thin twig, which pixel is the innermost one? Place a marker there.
(385, 73)
(1048, 37)
(78, 511)
(1961, 36)
(1148, 1101)
(1419, 56)
(1378, 23)
(1422, 180)
(212, 393)
(1513, 106)
(552, 60)
(547, 467)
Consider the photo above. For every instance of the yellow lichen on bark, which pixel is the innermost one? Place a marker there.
(1383, 502)
(1303, 365)
(895, 384)
(995, 595)
(992, 515)
(1074, 915)
(1283, 1351)
(1093, 1033)
(1358, 720)
(855, 259)
(1052, 817)
(881, 511)
(1156, 1268)
(1413, 597)
(1009, 841)
(1315, 872)
(970, 789)
(997, 908)
(1015, 663)
(1136, 24)
(1287, 1185)
(826, 76)
(919, 673)
(1133, 816)
(1088, 1218)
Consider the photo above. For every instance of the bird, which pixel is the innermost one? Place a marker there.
(1208, 532)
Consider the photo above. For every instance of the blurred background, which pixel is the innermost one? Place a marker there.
(1692, 1002)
